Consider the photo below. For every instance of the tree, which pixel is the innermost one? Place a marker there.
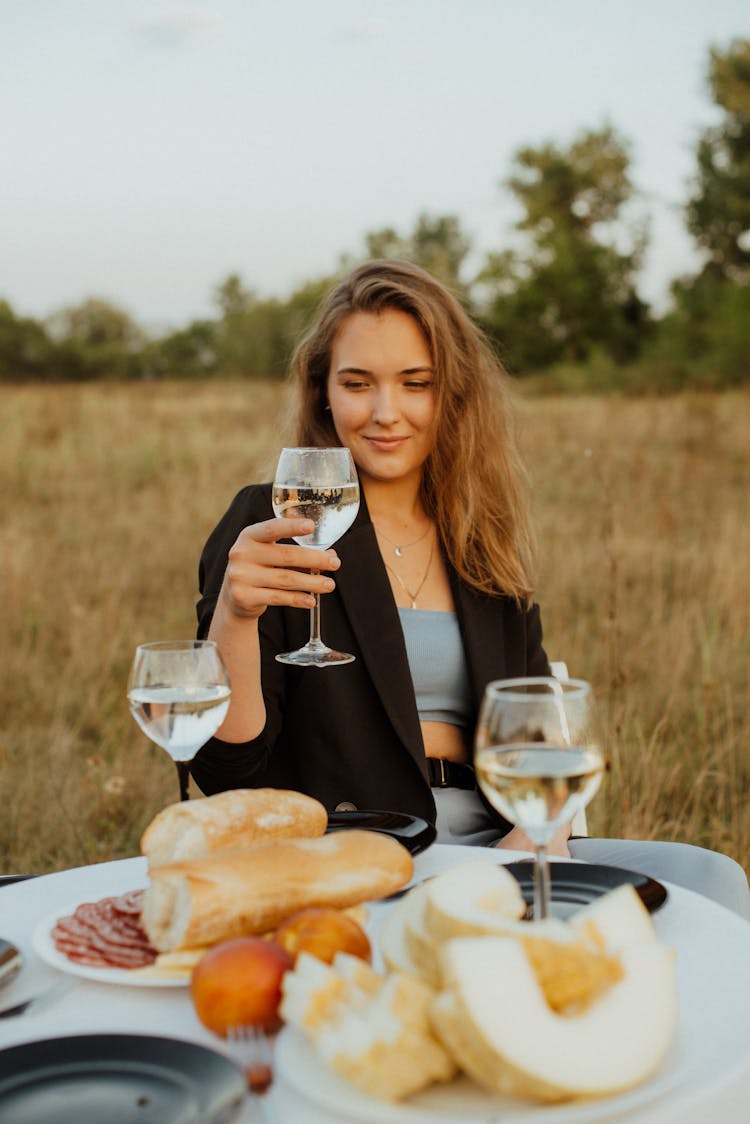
(570, 288)
(718, 213)
(25, 347)
(708, 328)
(95, 339)
(437, 244)
(190, 352)
(256, 336)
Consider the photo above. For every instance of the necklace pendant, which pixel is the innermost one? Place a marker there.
(398, 552)
(413, 604)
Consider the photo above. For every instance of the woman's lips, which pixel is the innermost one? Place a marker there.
(386, 444)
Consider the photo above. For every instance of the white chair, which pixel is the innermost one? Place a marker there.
(578, 825)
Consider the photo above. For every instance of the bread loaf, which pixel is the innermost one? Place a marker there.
(233, 893)
(240, 817)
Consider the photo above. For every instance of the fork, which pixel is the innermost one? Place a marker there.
(251, 1048)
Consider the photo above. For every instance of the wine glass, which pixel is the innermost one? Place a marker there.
(538, 759)
(321, 485)
(178, 693)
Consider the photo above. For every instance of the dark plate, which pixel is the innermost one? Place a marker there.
(118, 1079)
(414, 833)
(577, 884)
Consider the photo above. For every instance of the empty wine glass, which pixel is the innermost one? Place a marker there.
(538, 759)
(321, 485)
(179, 693)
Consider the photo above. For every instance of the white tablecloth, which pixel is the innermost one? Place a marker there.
(713, 947)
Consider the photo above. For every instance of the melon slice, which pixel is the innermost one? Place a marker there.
(388, 1048)
(373, 1030)
(392, 937)
(471, 899)
(419, 946)
(495, 1020)
(316, 992)
(615, 920)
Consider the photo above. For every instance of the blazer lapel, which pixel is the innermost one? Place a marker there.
(365, 591)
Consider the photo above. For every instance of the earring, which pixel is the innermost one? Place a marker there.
(328, 409)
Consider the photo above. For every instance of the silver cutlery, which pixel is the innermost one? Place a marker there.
(252, 1049)
(37, 1002)
(10, 961)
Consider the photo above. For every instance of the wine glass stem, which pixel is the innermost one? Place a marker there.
(315, 640)
(183, 772)
(541, 884)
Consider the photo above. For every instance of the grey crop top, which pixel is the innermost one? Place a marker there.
(437, 665)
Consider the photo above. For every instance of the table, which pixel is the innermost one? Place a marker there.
(713, 946)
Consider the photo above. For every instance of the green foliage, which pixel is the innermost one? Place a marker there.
(718, 213)
(255, 337)
(707, 332)
(437, 244)
(570, 290)
(25, 347)
(96, 340)
(189, 353)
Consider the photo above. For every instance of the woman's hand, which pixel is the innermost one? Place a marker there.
(517, 840)
(261, 571)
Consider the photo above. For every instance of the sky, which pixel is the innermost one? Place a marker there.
(150, 149)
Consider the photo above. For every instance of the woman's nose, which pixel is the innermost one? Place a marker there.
(385, 408)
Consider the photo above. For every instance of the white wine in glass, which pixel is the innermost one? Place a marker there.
(538, 759)
(318, 484)
(179, 695)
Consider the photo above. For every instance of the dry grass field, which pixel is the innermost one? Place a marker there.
(107, 493)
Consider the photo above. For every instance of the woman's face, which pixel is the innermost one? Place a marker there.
(382, 395)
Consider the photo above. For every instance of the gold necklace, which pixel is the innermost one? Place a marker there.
(413, 596)
(399, 548)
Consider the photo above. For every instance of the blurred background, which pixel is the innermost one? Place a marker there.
(180, 184)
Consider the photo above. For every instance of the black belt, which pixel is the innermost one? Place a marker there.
(450, 774)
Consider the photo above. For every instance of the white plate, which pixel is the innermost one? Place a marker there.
(460, 1101)
(45, 947)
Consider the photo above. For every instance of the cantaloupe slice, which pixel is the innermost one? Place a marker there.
(495, 1020)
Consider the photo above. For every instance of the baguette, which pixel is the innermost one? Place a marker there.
(237, 893)
(241, 817)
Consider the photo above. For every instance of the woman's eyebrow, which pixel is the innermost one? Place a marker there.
(422, 369)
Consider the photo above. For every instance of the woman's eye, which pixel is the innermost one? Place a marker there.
(354, 384)
(418, 384)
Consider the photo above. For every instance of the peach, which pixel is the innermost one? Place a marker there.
(322, 933)
(238, 983)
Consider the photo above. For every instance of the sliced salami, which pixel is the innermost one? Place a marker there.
(106, 934)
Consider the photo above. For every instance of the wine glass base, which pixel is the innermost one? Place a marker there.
(315, 657)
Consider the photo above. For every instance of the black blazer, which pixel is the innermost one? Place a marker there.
(351, 733)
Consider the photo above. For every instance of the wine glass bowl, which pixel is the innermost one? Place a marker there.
(538, 759)
(179, 694)
(319, 484)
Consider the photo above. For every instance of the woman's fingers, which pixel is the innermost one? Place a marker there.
(261, 541)
(273, 529)
(262, 571)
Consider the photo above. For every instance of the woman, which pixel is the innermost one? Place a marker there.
(430, 589)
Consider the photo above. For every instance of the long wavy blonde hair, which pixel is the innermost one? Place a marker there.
(474, 482)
